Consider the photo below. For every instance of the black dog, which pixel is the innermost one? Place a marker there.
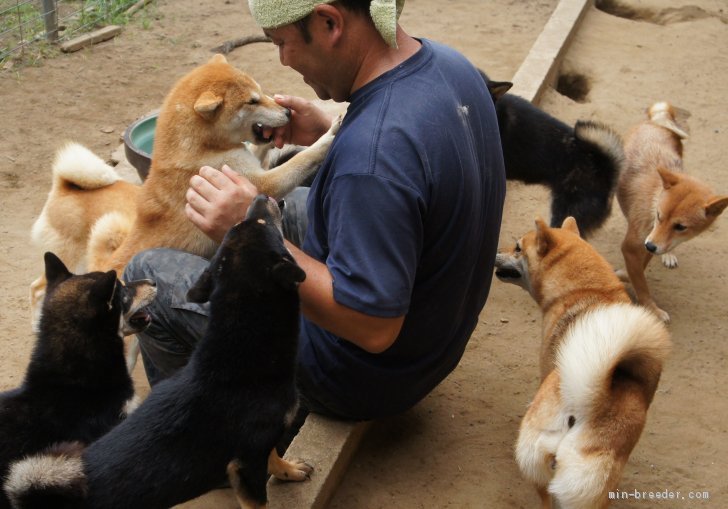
(76, 387)
(225, 410)
(580, 165)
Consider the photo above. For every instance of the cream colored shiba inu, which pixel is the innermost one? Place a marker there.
(663, 206)
(601, 358)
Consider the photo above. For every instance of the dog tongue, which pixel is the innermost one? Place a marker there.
(267, 132)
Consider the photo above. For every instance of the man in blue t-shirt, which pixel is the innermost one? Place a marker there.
(403, 216)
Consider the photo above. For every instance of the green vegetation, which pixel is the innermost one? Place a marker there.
(23, 28)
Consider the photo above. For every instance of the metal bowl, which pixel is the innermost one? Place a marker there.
(138, 143)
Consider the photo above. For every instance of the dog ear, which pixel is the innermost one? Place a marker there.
(287, 274)
(200, 292)
(544, 237)
(104, 288)
(569, 224)
(55, 270)
(716, 206)
(207, 104)
(498, 89)
(218, 58)
(669, 179)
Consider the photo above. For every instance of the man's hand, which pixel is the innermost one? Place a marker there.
(217, 200)
(308, 122)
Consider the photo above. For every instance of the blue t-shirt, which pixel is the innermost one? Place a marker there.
(405, 212)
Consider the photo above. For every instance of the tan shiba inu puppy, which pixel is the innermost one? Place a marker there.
(601, 359)
(663, 206)
(206, 119)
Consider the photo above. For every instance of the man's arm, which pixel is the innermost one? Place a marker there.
(369, 333)
(217, 199)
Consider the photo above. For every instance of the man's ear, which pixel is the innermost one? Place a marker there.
(55, 270)
(202, 289)
(331, 19)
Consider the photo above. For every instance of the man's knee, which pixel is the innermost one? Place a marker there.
(143, 265)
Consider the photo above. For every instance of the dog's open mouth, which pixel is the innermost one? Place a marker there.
(507, 273)
(137, 322)
(263, 133)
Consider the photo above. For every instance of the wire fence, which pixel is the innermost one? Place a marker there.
(26, 22)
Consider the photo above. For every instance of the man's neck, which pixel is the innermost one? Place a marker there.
(380, 58)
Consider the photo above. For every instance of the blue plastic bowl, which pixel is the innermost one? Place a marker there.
(138, 143)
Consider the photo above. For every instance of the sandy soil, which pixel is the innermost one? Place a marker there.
(455, 448)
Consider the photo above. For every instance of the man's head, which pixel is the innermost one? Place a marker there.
(277, 13)
(327, 41)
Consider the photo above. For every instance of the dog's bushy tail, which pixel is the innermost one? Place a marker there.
(77, 166)
(610, 364)
(54, 478)
(617, 341)
(588, 190)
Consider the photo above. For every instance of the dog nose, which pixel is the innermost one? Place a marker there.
(288, 112)
(650, 247)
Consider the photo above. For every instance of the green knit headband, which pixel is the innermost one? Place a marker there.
(276, 13)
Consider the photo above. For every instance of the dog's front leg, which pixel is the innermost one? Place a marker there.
(279, 468)
(283, 179)
(636, 258)
(248, 479)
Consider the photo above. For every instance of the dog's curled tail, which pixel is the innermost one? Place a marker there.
(78, 166)
(619, 341)
(54, 478)
(604, 138)
(610, 364)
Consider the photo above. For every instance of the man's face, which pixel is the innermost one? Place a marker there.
(309, 59)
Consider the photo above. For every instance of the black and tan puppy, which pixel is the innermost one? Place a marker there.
(580, 165)
(76, 386)
(224, 411)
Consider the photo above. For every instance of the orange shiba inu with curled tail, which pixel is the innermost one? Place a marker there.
(663, 205)
(601, 360)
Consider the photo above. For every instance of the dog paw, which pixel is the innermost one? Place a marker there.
(293, 470)
(660, 313)
(336, 124)
(669, 260)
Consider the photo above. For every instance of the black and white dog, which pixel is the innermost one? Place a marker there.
(223, 413)
(580, 164)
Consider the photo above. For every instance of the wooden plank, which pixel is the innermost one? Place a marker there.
(102, 34)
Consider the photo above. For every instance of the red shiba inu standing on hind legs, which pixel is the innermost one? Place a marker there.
(663, 205)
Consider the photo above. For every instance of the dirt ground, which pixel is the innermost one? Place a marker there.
(454, 449)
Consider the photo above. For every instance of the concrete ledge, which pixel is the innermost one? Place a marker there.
(325, 443)
(328, 445)
(540, 67)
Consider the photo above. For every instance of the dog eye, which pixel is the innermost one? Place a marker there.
(680, 227)
(254, 100)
